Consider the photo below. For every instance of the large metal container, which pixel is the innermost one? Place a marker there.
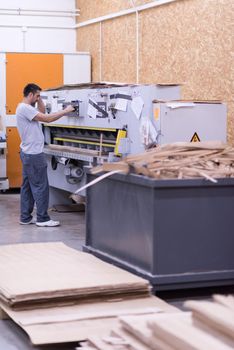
(176, 233)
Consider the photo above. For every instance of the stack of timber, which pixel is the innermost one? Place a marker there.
(210, 325)
(182, 160)
(57, 294)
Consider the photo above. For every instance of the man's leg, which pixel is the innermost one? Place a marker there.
(26, 197)
(39, 186)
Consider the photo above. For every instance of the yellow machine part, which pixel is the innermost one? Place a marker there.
(121, 134)
(83, 142)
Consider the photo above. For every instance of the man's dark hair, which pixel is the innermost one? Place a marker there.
(31, 88)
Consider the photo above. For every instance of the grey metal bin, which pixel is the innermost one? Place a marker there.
(175, 233)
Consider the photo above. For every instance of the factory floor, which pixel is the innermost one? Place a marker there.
(72, 233)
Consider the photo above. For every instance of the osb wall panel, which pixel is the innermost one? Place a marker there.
(189, 41)
(88, 41)
(119, 50)
(96, 8)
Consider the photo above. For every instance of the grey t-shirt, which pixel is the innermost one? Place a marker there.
(32, 138)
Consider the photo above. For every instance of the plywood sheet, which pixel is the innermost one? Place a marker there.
(88, 40)
(50, 272)
(119, 50)
(78, 322)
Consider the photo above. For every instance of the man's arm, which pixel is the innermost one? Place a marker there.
(48, 118)
(41, 105)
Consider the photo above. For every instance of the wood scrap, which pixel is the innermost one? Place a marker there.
(109, 342)
(226, 300)
(134, 342)
(214, 314)
(181, 160)
(138, 327)
(180, 334)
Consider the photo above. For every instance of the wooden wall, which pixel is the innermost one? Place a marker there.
(187, 41)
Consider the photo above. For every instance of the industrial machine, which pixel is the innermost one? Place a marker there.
(109, 121)
(190, 121)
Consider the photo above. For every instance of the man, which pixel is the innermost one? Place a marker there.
(35, 188)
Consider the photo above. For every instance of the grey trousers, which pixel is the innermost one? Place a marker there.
(35, 187)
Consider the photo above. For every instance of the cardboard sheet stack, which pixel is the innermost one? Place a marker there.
(210, 325)
(57, 294)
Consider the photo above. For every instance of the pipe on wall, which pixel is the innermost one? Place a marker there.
(39, 12)
(124, 12)
(35, 26)
(100, 51)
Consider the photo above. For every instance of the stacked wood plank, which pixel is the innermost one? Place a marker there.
(180, 160)
(210, 325)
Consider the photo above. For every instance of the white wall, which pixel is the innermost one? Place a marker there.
(33, 33)
(40, 32)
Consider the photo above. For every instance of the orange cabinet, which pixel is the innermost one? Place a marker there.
(14, 167)
(45, 70)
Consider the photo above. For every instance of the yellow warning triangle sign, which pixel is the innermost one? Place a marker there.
(195, 138)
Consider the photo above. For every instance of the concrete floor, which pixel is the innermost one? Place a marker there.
(72, 233)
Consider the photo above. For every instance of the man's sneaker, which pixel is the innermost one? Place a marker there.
(32, 221)
(50, 223)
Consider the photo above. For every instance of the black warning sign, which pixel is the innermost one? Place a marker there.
(195, 138)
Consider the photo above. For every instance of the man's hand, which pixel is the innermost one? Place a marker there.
(69, 109)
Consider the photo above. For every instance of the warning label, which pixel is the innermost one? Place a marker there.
(195, 138)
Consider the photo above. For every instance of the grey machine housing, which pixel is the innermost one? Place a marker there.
(113, 120)
(176, 233)
(102, 128)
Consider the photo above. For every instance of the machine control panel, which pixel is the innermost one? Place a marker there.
(76, 105)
